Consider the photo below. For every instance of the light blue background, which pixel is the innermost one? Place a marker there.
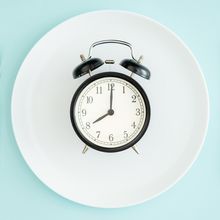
(23, 196)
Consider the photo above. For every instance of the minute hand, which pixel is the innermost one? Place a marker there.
(111, 97)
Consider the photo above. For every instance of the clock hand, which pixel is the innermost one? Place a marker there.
(111, 97)
(100, 118)
(110, 112)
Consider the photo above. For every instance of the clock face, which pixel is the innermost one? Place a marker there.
(110, 112)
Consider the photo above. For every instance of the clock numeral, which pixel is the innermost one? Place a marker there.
(87, 125)
(98, 90)
(134, 97)
(138, 111)
(111, 85)
(133, 125)
(110, 137)
(123, 89)
(125, 134)
(83, 112)
(89, 99)
(98, 134)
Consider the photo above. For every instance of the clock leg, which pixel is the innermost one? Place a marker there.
(85, 149)
(135, 149)
(139, 61)
(82, 57)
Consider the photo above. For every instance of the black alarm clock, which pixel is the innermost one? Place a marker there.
(110, 111)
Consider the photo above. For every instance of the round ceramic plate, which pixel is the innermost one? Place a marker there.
(41, 102)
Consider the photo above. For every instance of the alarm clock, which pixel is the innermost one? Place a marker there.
(110, 111)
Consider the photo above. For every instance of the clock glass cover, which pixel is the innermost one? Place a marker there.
(110, 112)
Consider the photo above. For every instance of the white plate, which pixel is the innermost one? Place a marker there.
(41, 101)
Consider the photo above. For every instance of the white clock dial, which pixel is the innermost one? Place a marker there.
(105, 122)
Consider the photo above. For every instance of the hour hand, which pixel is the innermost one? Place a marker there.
(100, 118)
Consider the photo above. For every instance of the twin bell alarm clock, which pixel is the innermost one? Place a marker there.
(110, 111)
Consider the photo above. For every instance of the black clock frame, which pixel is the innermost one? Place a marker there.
(136, 85)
